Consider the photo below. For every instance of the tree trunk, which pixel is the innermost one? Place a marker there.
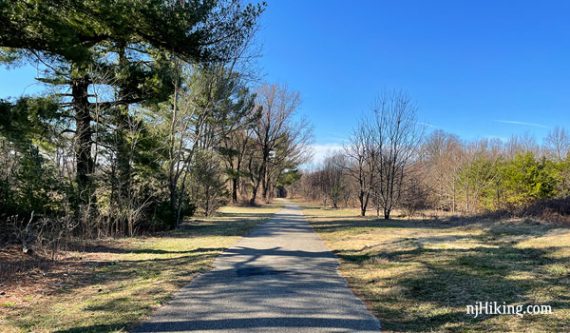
(235, 181)
(259, 179)
(266, 186)
(363, 203)
(268, 190)
(123, 164)
(122, 145)
(253, 195)
(377, 210)
(172, 159)
(83, 158)
(173, 206)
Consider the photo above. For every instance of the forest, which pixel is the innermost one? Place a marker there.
(139, 127)
(151, 113)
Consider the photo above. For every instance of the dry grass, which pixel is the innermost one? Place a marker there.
(112, 284)
(419, 275)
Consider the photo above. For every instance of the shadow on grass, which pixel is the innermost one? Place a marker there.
(127, 269)
(347, 224)
(246, 215)
(447, 279)
(96, 328)
(109, 280)
(127, 250)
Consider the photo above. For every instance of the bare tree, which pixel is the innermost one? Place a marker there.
(396, 136)
(333, 180)
(519, 143)
(558, 143)
(361, 167)
(279, 140)
(443, 159)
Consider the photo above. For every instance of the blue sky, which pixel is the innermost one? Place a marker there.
(474, 68)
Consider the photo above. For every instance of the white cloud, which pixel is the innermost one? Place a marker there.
(521, 123)
(320, 152)
(427, 124)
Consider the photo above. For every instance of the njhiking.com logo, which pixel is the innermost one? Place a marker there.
(495, 308)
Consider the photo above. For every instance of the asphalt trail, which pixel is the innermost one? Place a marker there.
(279, 278)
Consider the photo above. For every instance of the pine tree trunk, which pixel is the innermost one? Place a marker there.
(123, 164)
(83, 157)
(122, 148)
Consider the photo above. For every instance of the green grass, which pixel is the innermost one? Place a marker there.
(419, 275)
(8, 304)
(122, 281)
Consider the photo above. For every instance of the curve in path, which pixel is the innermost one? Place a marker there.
(279, 278)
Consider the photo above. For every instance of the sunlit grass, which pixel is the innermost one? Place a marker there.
(125, 279)
(419, 275)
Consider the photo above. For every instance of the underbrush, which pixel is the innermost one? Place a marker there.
(110, 284)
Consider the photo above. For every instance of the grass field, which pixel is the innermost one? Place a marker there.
(112, 284)
(419, 275)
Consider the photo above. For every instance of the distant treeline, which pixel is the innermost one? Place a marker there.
(390, 162)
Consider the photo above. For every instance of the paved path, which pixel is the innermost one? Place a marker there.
(280, 278)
